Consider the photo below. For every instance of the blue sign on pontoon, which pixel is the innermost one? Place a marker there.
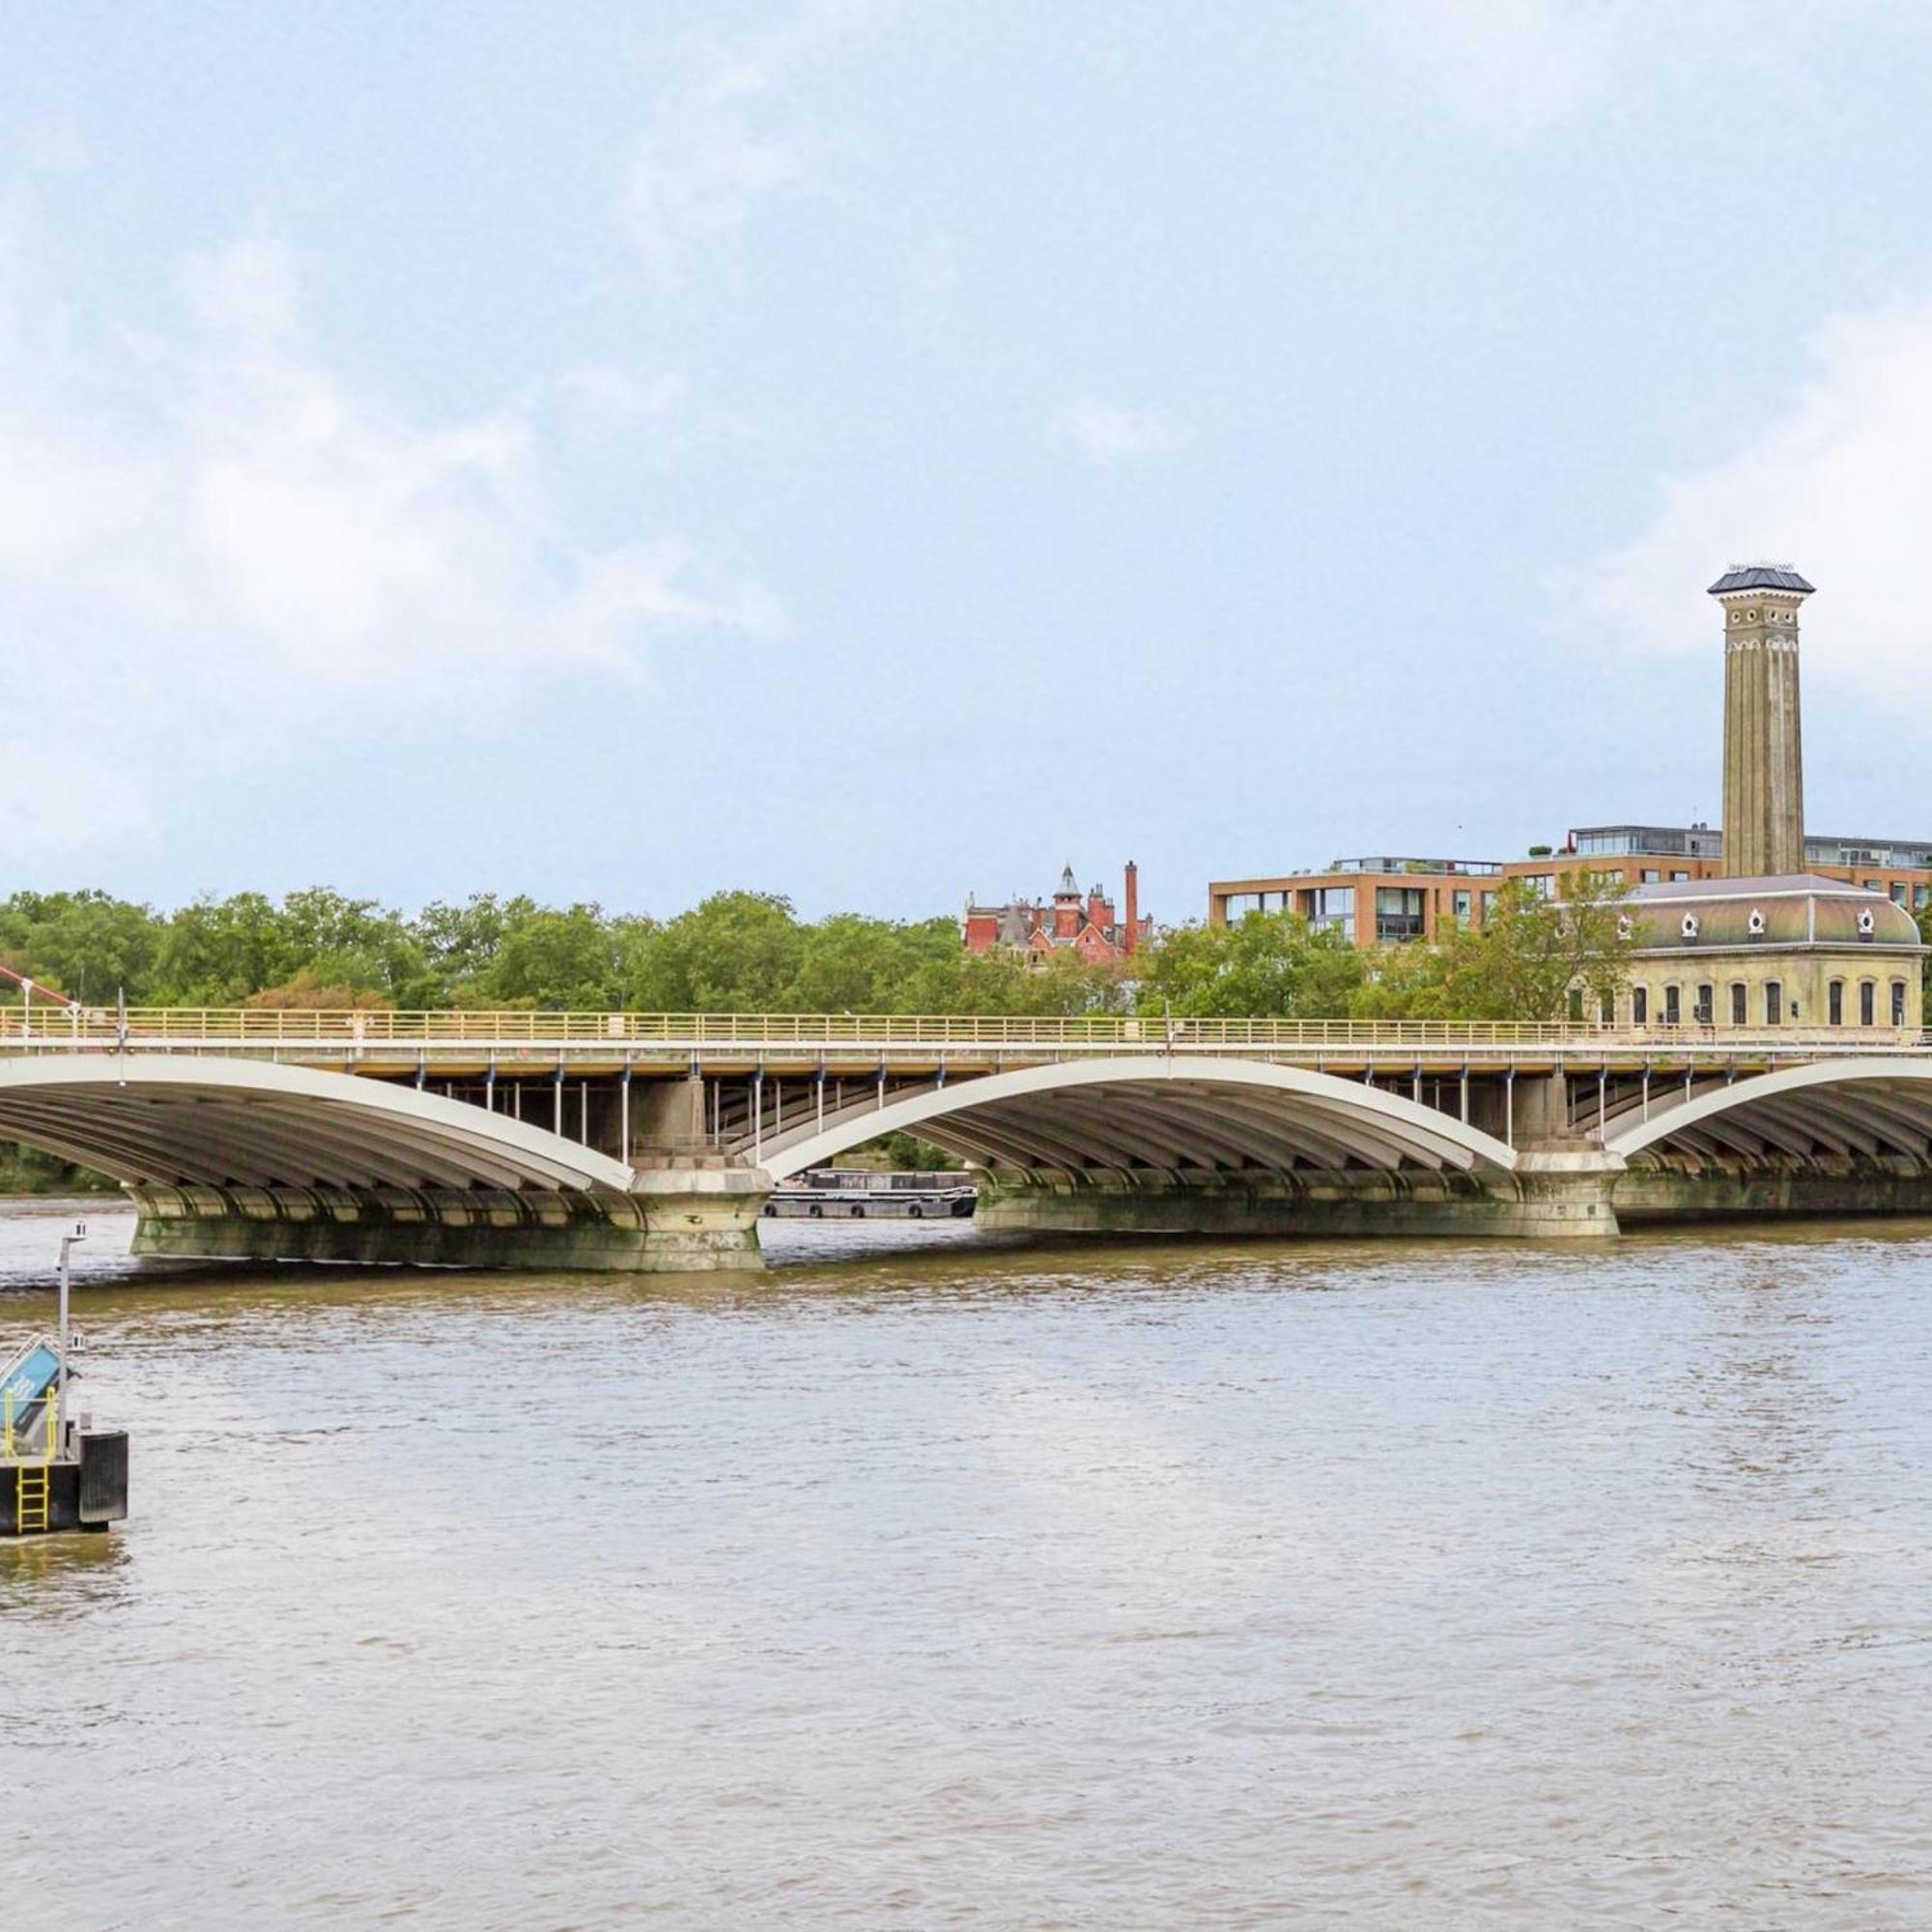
(30, 1377)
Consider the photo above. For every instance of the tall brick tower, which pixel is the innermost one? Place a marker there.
(1764, 752)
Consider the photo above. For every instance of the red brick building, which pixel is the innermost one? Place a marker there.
(1084, 923)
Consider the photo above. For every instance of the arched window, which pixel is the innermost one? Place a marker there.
(1834, 1002)
(1740, 1011)
(1774, 1003)
(1640, 1006)
(1868, 1002)
(1673, 1013)
(1705, 1014)
(1899, 1002)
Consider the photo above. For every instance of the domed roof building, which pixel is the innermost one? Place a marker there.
(1785, 950)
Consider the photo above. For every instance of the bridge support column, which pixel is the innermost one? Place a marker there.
(1566, 1195)
(667, 1117)
(700, 1219)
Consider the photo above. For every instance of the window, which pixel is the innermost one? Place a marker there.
(1706, 1010)
(1921, 897)
(1740, 1011)
(1899, 1002)
(1867, 1001)
(1460, 903)
(1672, 1012)
(1899, 892)
(1335, 908)
(1399, 913)
(1649, 875)
(1774, 1003)
(1678, 878)
(1488, 906)
(1542, 884)
(1640, 1006)
(1834, 1003)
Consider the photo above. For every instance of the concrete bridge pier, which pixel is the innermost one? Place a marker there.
(1561, 1196)
(678, 1220)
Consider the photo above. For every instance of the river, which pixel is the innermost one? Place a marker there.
(929, 1583)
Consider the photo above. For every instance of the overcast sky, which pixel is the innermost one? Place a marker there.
(881, 449)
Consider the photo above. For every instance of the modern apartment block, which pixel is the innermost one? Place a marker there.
(1381, 901)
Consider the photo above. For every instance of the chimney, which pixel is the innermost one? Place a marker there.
(1133, 907)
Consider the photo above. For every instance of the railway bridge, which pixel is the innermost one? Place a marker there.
(650, 1141)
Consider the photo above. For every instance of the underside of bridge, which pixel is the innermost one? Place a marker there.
(1199, 1146)
(251, 1160)
(1835, 1137)
(261, 1160)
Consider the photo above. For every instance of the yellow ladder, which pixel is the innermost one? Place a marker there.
(30, 1497)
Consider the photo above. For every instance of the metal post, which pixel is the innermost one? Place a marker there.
(556, 1101)
(624, 1113)
(1646, 1090)
(1603, 1099)
(1466, 1092)
(1508, 1106)
(489, 1087)
(583, 1111)
(759, 1117)
(61, 1334)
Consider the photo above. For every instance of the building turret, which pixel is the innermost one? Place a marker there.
(1764, 754)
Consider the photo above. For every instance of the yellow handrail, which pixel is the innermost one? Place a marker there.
(350, 1032)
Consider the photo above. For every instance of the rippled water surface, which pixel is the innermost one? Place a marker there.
(1401, 1586)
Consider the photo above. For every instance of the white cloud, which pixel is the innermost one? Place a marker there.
(273, 513)
(1512, 67)
(1105, 432)
(52, 799)
(1838, 485)
(731, 135)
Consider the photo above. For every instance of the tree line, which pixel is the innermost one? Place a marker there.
(744, 952)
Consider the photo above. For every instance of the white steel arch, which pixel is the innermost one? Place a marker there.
(1857, 1105)
(1171, 1112)
(184, 1118)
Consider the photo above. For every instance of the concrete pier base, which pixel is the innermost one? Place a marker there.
(1664, 1190)
(1569, 1201)
(674, 1221)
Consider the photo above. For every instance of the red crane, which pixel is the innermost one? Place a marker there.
(30, 987)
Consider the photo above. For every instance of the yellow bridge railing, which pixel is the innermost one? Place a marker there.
(148, 1028)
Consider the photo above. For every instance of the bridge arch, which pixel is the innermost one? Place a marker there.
(1880, 1106)
(172, 1121)
(1166, 1112)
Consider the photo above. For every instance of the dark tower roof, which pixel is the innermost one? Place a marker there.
(1760, 576)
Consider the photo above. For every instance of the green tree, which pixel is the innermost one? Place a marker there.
(1264, 966)
(87, 944)
(217, 951)
(1533, 954)
(733, 953)
(550, 958)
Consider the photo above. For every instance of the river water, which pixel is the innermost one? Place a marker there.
(928, 1584)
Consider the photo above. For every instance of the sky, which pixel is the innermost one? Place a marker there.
(883, 450)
